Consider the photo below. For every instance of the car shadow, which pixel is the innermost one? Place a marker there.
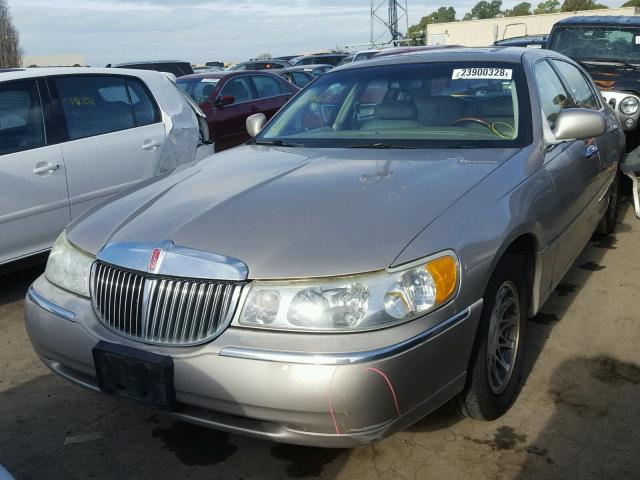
(594, 432)
(52, 429)
(16, 278)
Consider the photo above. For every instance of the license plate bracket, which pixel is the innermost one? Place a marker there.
(134, 374)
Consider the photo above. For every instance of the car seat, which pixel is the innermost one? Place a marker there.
(393, 116)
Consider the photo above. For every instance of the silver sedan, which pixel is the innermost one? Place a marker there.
(374, 252)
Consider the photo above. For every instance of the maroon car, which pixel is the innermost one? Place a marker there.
(228, 98)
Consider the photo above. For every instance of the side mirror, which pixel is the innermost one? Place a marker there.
(255, 123)
(579, 124)
(226, 100)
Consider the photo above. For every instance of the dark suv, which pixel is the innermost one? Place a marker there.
(176, 67)
(608, 47)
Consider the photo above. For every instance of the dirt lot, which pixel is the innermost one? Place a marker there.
(578, 416)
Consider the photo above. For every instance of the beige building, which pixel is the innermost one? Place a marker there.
(66, 60)
(479, 33)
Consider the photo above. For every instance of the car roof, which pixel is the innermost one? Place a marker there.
(523, 38)
(266, 60)
(465, 54)
(309, 67)
(601, 20)
(226, 73)
(36, 72)
(293, 69)
(148, 62)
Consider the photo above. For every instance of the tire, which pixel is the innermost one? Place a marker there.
(485, 397)
(608, 223)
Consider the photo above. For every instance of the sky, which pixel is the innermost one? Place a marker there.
(112, 31)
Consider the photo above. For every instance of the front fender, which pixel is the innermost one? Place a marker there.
(517, 199)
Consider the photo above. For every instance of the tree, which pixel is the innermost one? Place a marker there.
(632, 3)
(10, 52)
(575, 5)
(264, 56)
(484, 9)
(442, 15)
(548, 6)
(520, 9)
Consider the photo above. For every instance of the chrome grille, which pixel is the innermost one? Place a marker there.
(162, 310)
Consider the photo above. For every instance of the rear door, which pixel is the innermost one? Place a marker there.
(575, 168)
(115, 133)
(34, 203)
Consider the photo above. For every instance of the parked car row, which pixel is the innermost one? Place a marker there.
(72, 137)
(396, 214)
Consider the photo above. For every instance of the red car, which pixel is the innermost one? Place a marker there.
(228, 98)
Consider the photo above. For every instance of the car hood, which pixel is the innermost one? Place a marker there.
(293, 212)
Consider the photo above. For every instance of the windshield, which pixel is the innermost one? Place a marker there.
(427, 105)
(605, 44)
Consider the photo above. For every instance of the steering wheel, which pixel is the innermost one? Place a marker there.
(479, 120)
(491, 126)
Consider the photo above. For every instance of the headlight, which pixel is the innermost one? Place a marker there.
(629, 105)
(359, 302)
(68, 267)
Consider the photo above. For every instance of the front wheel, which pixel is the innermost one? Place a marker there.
(494, 376)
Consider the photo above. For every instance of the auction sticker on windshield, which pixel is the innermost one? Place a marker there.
(482, 74)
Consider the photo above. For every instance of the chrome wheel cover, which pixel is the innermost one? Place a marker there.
(504, 337)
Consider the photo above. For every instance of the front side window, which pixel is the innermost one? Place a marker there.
(598, 44)
(429, 105)
(94, 105)
(239, 88)
(553, 96)
(583, 95)
(267, 87)
(21, 122)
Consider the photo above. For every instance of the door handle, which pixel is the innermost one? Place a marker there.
(591, 151)
(46, 168)
(150, 145)
(254, 108)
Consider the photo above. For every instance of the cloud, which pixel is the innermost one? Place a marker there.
(197, 30)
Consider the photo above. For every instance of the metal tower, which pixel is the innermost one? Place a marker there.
(386, 29)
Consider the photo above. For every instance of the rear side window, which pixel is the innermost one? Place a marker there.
(583, 95)
(145, 110)
(267, 86)
(94, 105)
(553, 96)
(21, 122)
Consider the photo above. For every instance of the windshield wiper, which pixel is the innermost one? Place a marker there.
(276, 143)
(622, 63)
(382, 146)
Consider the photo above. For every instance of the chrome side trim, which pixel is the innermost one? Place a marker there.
(348, 358)
(50, 307)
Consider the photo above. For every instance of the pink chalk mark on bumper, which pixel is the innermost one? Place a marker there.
(389, 384)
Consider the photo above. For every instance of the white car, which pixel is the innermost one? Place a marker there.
(72, 137)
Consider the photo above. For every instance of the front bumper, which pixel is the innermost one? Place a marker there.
(277, 386)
